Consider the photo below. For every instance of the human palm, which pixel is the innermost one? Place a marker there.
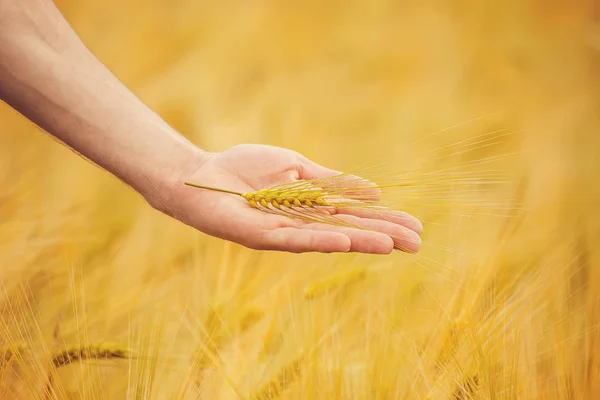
(247, 168)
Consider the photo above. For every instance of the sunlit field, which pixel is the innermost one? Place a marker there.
(484, 115)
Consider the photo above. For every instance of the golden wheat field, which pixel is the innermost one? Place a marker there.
(496, 102)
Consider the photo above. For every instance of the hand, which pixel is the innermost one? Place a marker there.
(96, 115)
(247, 168)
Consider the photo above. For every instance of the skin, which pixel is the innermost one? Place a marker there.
(49, 76)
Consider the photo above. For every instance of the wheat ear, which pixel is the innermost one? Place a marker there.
(10, 352)
(104, 351)
(275, 388)
(277, 196)
(342, 280)
(311, 201)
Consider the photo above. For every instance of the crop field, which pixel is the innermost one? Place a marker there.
(481, 118)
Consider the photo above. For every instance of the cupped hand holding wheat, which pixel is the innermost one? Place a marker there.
(277, 199)
(97, 116)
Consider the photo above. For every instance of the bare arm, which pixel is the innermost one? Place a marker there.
(49, 76)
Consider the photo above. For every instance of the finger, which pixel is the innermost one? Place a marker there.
(362, 241)
(395, 217)
(296, 240)
(404, 238)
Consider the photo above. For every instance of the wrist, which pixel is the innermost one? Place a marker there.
(181, 162)
(161, 190)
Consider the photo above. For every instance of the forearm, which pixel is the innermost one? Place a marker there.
(48, 75)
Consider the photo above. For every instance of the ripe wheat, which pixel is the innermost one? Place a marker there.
(12, 351)
(326, 192)
(314, 201)
(275, 388)
(104, 351)
(344, 279)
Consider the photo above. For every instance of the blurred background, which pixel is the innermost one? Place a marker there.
(503, 302)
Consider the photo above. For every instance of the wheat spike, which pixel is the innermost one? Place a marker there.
(312, 201)
(8, 353)
(214, 338)
(273, 389)
(104, 351)
(341, 190)
(280, 197)
(329, 284)
(250, 318)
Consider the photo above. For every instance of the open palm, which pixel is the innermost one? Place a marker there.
(247, 168)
